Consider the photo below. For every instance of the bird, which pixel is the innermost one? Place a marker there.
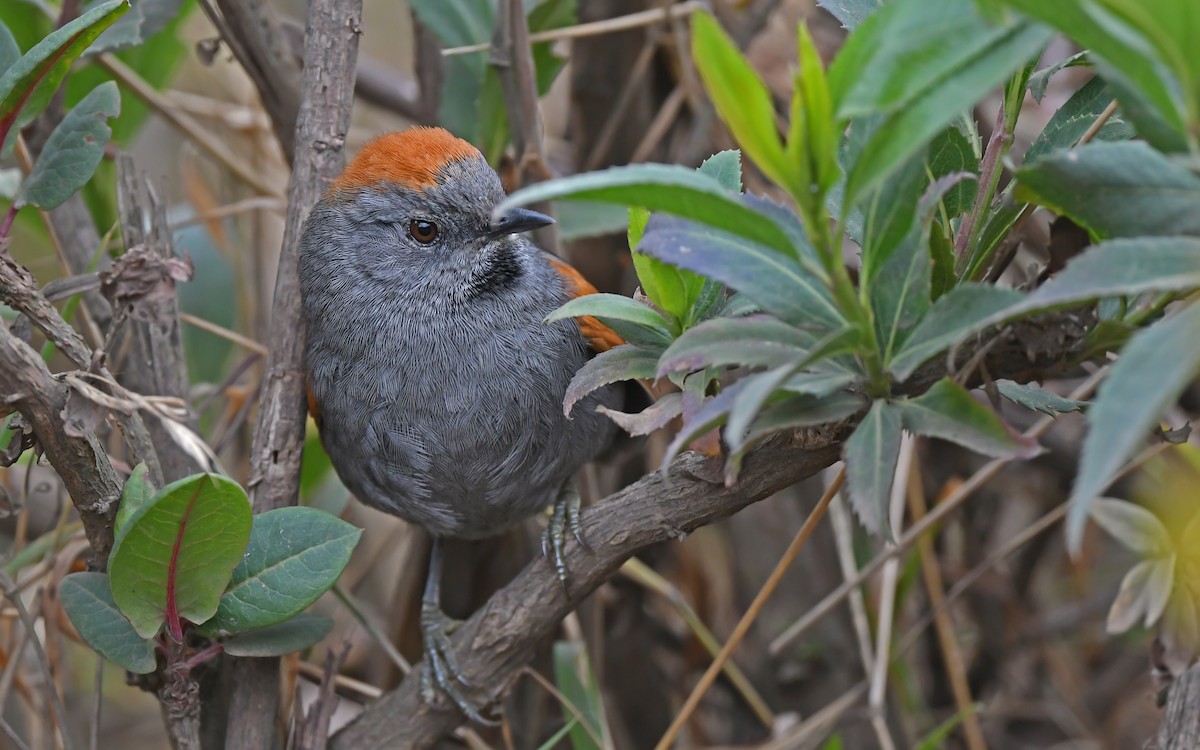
(436, 384)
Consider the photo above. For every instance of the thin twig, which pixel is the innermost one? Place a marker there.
(186, 124)
(309, 669)
(12, 735)
(260, 203)
(952, 657)
(988, 173)
(225, 333)
(372, 629)
(27, 622)
(642, 574)
(752, 612)
(607, 26)
(566, 702)
(94, 729)
(944, 509)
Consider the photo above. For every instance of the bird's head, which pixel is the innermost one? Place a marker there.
(417, 202)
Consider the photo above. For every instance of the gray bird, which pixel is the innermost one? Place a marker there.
(436, 385)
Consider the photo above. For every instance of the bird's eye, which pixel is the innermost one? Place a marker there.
(423, 231)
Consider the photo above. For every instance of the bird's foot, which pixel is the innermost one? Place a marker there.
(439, 670)
(563, 520)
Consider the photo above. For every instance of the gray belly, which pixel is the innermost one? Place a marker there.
(463, 434)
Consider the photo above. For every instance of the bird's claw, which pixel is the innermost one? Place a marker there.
(563, 519)
(439, 670)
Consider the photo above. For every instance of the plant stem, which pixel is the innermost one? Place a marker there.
(204, 655)
(9, 216)
(989, 177)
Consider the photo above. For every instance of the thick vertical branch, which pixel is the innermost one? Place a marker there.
(1181, 721)
(330, 55)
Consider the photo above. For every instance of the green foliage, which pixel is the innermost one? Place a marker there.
(27, 85)
(192, 557)
(577, 682)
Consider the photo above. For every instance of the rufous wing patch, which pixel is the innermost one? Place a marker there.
(411, 157)
(599, 336)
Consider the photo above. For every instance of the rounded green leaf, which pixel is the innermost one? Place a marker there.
(174, 556)
(74, 149)
(89, 603)
(294, 556)
(296, 634)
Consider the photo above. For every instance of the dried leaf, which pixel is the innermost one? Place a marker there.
(144, 281)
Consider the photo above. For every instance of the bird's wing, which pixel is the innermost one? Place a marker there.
(599, 336)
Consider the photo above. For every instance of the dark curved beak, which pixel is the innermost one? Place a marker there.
(517, 220)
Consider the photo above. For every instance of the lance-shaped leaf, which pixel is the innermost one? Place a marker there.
(791, 413)
(1144, 594)
(615, 309)
(712, 413)
(626, 362)
(659, 187)
(740, 97)
(1074, 118)
(73, 151)
(753, 341)
(574, 677)
(949, 154)
(1136, 528)
(871, 454)
(294, 555)
(9, 51)
(27, 85)
(88, 601)
(295, 634)
(653, 417)
(1154, 368)
(1110, 269)
(1038, 399)
(1123, 189)
(778, 284)
(172, 559)
(947, 411)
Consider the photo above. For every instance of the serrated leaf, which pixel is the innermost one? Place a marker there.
(739, 96)
(653, 417)
(1038, 399)
(138, 491)
(662, 188)
(626, 362)
(88, 601)
(712, 413)
(777, 283)
(174, 556)
(1113, 268)
(1074, 118)
(1133, 526)
(947, 411)
(1154, 368)
(871, 455)
(951, 153)
(851, 13)
(295, 634)
(294, 555)
(27, 85)
(1040, 80)
(1122, 189)
(888, 217)
(73, 151)
(752, 341)
(726, 168)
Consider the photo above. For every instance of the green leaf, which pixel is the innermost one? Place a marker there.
(615, 307)
(740, 97)
(936, 739)
(26, 86)
(1074, 118)
(712, 413)
(726, 168)
(138, 491)
(1110, 269)
(947, 411)
(89, 603)
(1038, 399)
(754, 341)
(575, 679)
(791, 413)
(1040, 80)
(871, 454)
(1144, 594)
(581, 220)
(950, 57)
(174, 556)
(10, 51)
(778, 284)
(951, 153)
(287, 637)
(888, 214)
(660, 187)
(812, 144)
(626, 362)
(73, 151)
(1154, 368)
(1133, 526)
(1124, 189)
(295, 554)
(653, 417)
(851, 13)
(1146, 90)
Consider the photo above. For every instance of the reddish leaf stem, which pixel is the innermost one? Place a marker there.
(7, 223)
(204, 655)
(174, 625)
